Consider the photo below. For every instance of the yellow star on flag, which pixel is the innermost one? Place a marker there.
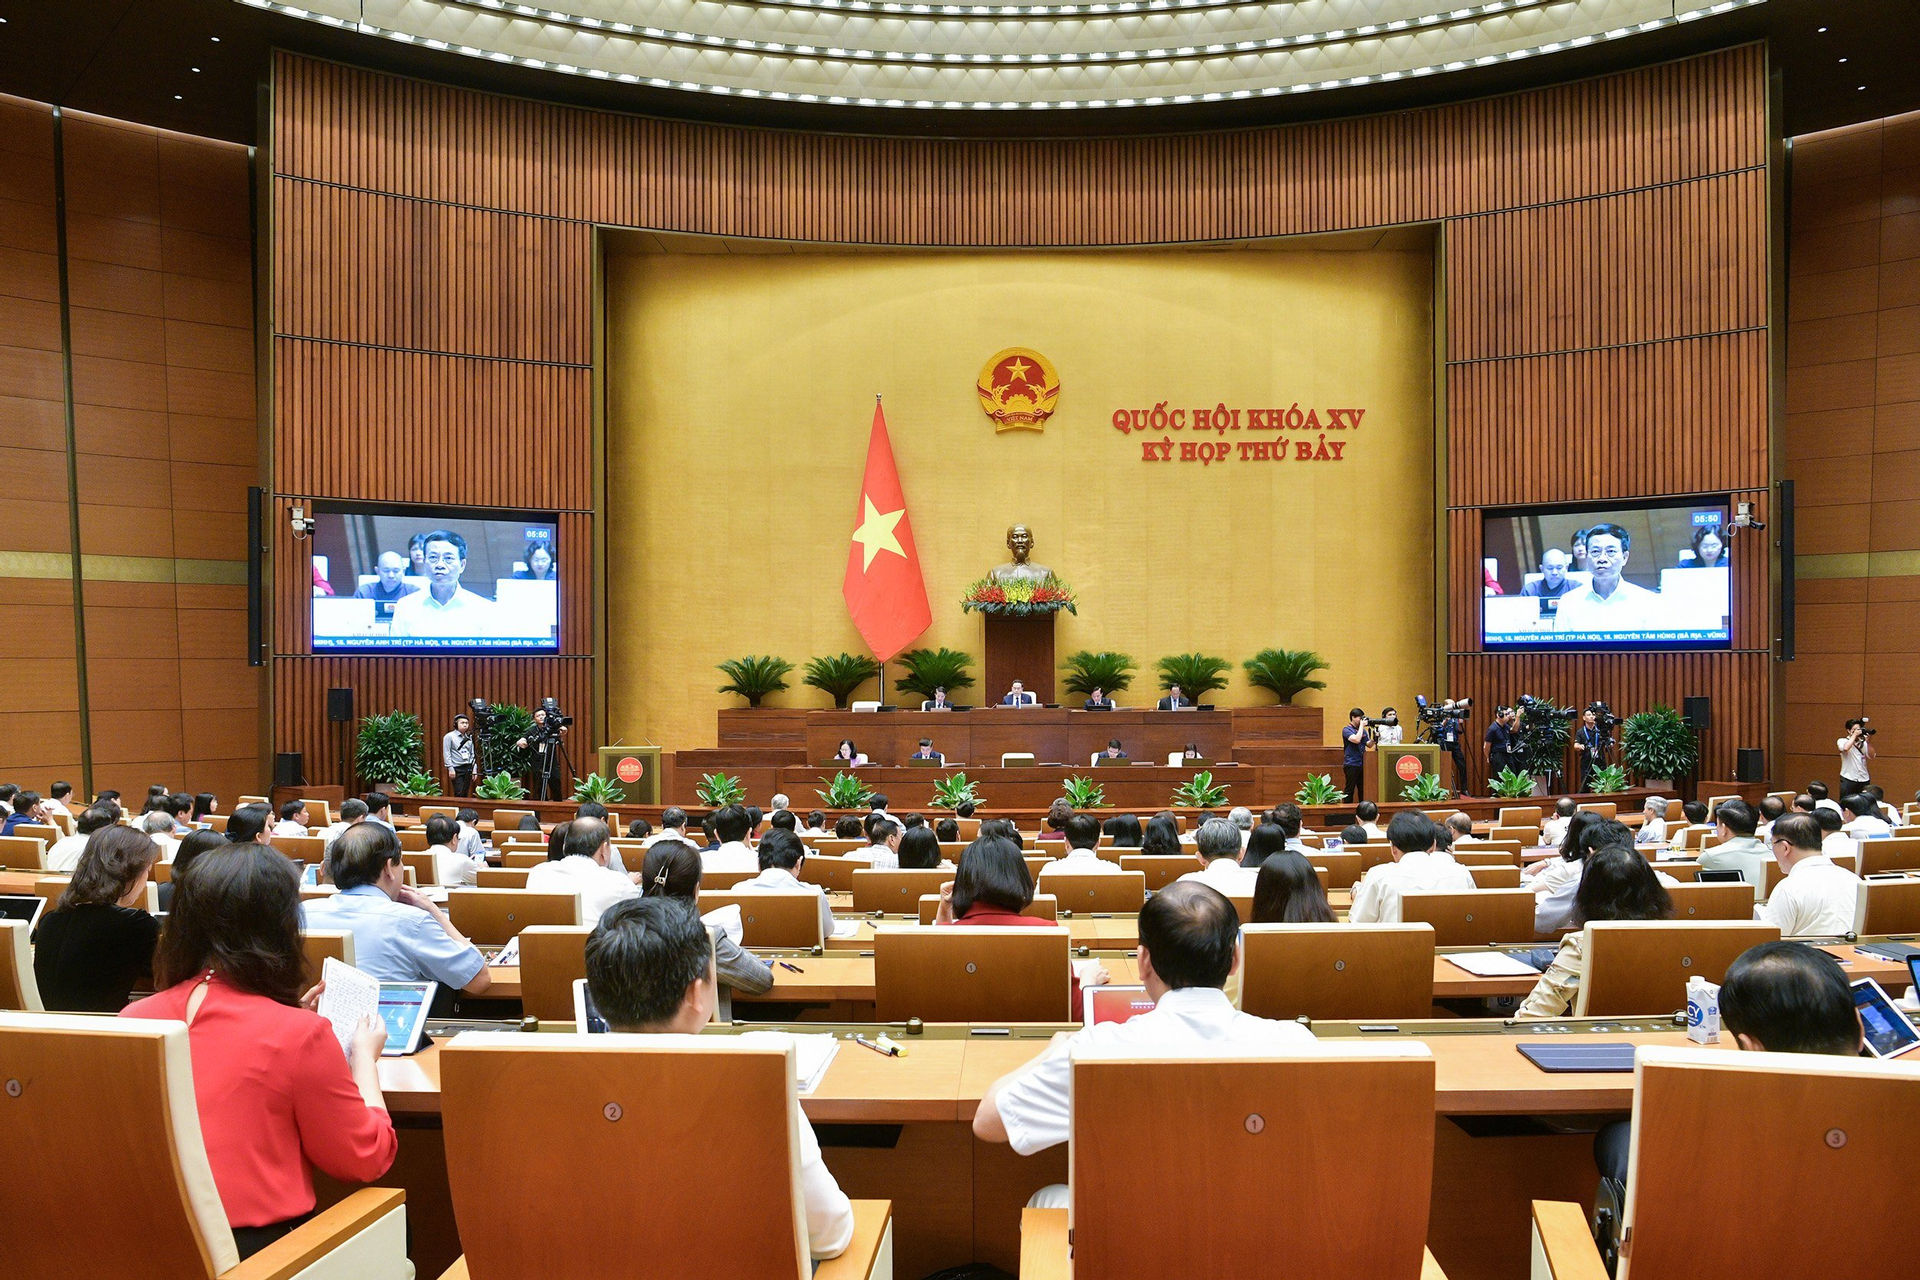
(875, 533)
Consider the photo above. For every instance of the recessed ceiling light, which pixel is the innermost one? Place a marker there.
(1822, 31)
(196, 71)
(1843, 60)
(216, 39)
(176, 97)
(1859, 88)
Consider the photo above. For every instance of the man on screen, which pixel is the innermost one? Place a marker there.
(391, 585)
(1553, 581)
(1609, 602)
(445, 608)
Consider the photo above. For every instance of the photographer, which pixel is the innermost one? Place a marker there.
(1498, 742)
(1386, 730)
(1591, 742)
(1356, 740)
(1855, 750)
(457, 753)
(544, 738)
(1445, 724)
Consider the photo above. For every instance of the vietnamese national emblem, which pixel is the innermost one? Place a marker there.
(1018, 389)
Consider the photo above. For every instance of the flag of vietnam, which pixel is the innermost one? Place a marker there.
(885, 591)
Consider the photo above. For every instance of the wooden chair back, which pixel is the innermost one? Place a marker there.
(447, 811)
(41, 831)
(215, 821)
(1480, 918)
(1525, 837)
(301, 848)
(831, 874)
(491, 917)
(1034, 865)
(105, 1101)
(970, 973)
(412, 839)
(523, 859)
(1641, 967)
(551, 958)
(1511, 848)
(1342, 867)
(1887, 906)
(50, 888)
(425, 868)
(1676, 811)
(510, 819)
(833, 847)
(894, 891)
(1712, 901)
(951, 850)
(501, 877)
(1495, 876)
(1896, 854)
(1841, 1131)
(1112, 892)
(1043, 907)
(1519, 815)
(1337, 971)
(772, 918)
(1684, 872)
(319, 813)
(717, 879)
(1473, 855)
(1160, 869)
(1605, 808)
(23, 853)
(19, 989)
(1353, 1128)
(316, 945)
(628, 1103)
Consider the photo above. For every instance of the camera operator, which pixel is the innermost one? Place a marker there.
(1855, 750)
(1386, 730)
(1499, 741)
(456, 752)
(1591, 742)
(544, 738)
(1441, 726)
(1357, 740)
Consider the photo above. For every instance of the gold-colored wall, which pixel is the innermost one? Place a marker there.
(740, 388)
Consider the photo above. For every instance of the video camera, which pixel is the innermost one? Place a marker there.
(556, 719)
(1603, 716)
(1541, 709)
(1450, 709)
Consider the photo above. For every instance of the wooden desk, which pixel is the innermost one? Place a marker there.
(1057, 734)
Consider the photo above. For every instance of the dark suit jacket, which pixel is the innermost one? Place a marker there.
(1103, 704)
(927, 705)
(1166, 704)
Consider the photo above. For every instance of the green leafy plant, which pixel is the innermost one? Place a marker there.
(1318, 789)
(1540, 743)
(600, 789)
(1084, 793)
(1087, 671)
(500, 786)
(754, 676)
(1511, 784)
(507, 725)
(930, 669)
(1195, 673)
(718, 790)
(418, 783)
(845, 791)
(951, 793)
(1287, 672)
(1605, 781)
(388, 749)
(1199, 792)
(1426, 789)
(1659, 743)
(839, 674)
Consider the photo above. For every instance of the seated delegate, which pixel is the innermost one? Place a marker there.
(672, 870)
(398, 936)
(98, 940)
(1416, 868)
(1617, 884)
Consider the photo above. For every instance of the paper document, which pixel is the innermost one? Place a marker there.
(812, 1055)
(350, 995)
(845, 928)
(508, 955)
(1491, 964)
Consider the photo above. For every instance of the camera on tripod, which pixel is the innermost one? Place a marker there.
(556, 719)
(1603, 716)
(1541, 709)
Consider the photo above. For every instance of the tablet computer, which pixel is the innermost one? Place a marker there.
(585, 1016)
(1721, 877)
(1887, 1031)
(22, 906)
(403, 1007)
(1112, 1004)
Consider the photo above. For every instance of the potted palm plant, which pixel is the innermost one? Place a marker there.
(506, 725)
(1197, 674)
(754, 676)
(845, 791)
(1103, 670)
(930, 669)
(718, 790)
(838, 675)
(1286, 672)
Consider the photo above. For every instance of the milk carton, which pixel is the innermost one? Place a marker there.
(1703, 1011)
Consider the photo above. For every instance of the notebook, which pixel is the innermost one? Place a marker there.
(1491, 964)
(1583, 1056)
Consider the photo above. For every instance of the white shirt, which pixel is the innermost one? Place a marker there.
(733, 855)
(1629, 608)
(1834, 842)
(1374, 831)
(1228, 876)
(1554, 829)
(64, 854)
(598, 887)
(1868, 828)
(1554, 883)
(1194, 1022)
(1816, 898)
(419, 614)
(288, 827)
(1080, 862)
(57, 806)
(455, 869)
(879, 857)
(1853, 760)
(1743, 854)
(331, 832)
(1376, 899)
(1652, 831)
(781, 880)
(668, 833)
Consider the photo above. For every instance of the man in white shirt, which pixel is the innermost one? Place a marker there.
(781, 854)
(1770, 810)
(351, 812)
(157, 826)
(470, 845)
(1287, 817)
(882, 851)
(453, 869)
(650, 970)
(1863, 818)
(56, 800)
(1462, 827)
(1738, 850)
(1832, 839)
(1242, 819)
(1189, 948)
(730, 827)
(1815, 898)
(1415, 868)
(1855, 748)
(673, 826)
(1367, 817)
(1217, 845)
(65, 853)
(1653, 823)
(293, 819)
(816, 828)
(1609, 602)
(779, 802)
(445, 608)
(1083, 858)
(581, 868)
(1553, 827)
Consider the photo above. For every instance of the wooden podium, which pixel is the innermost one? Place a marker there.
(1018, 649)
(1398, 766)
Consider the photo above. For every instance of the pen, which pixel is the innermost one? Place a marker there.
(879, 1049)
(790, 968)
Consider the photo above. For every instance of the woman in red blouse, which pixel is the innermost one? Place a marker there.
(276, 1095)
(993, 886)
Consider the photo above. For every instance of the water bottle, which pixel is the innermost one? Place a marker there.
(1703, 1011)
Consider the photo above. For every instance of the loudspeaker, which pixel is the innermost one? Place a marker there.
(289, 770)
(1750, 765)
(1699, 712)
(340, 705)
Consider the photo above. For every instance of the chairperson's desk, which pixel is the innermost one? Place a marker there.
(1501, 1136)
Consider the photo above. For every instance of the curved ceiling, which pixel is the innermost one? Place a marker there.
(960, 56)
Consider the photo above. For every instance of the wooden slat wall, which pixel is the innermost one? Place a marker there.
(1605, 254)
